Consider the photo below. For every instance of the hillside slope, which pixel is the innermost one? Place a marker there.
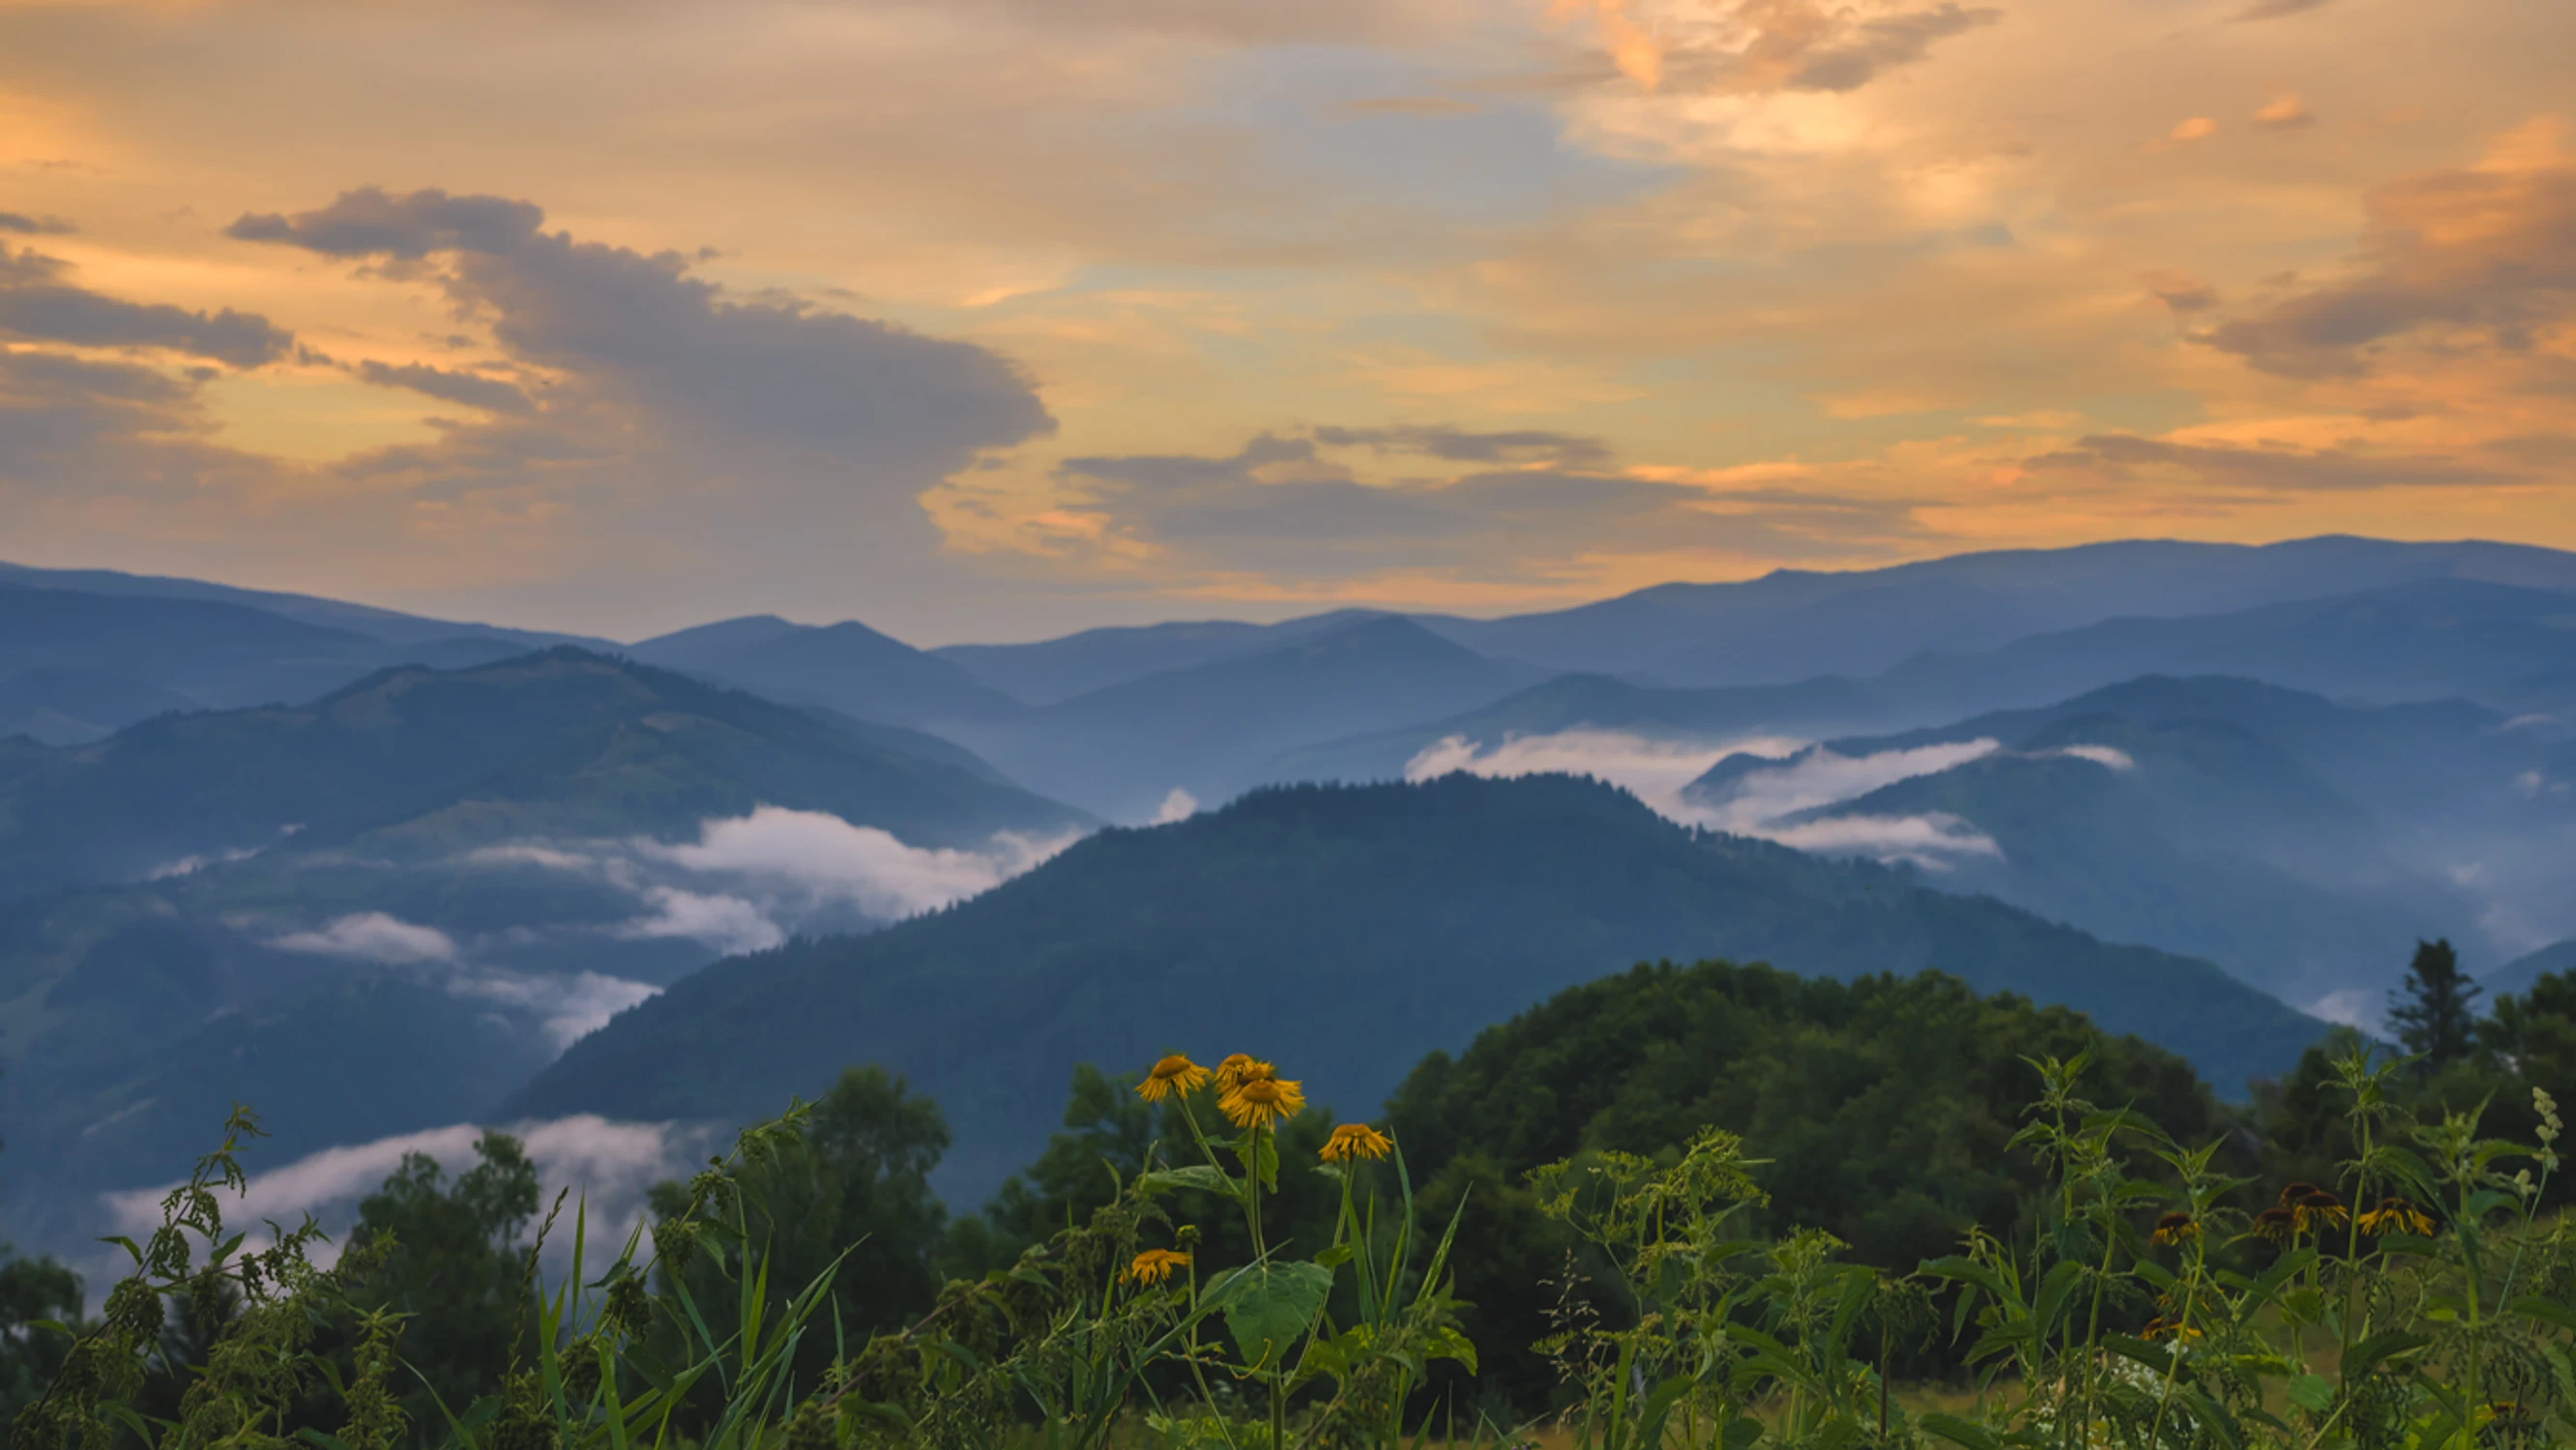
(564, 742)
(1343, 932)
(846, 667)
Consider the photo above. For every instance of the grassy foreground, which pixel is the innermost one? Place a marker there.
(2419, 1300)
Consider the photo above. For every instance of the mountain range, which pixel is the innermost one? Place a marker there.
(253, 843)
(1343, 932)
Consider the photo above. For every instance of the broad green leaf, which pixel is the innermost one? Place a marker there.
(2312, 1393)
(1267, 1305)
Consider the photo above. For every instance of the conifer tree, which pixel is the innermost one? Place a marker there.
(2433, 1011)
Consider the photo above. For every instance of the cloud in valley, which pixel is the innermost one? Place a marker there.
(1764, 801)
(749, 882)
(608, 1165)
(373, 936)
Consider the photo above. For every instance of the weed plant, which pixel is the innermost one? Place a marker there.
(2420, 1300)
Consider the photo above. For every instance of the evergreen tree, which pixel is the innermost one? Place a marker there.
(2433, 1011)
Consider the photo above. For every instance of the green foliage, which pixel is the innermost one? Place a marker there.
(451, 1276)
(1884, 1110)
(847, 1197)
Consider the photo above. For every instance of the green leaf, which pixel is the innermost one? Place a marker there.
(2312, 1393)
(1267, 1305)
(1202, 1177)
(1258, 1152)
(2367, 1355)
(1334, 1257)
(1958, 1431)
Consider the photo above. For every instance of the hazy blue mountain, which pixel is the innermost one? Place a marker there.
(2418, 641)
(387, 625)
(2414, 642)
(1207, 730)
(2428, 757)
(2515, 977)
(2199, 842)
(1047, 671)
(64, 705)
(846, 667)
(423, 761)
(75, 665)
(2297, 842)
(1795, 624)
(471, 877)
(1341, 932)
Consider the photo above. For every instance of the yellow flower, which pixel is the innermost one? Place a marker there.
(1174, 1074)
(1154, 1266)
(2176, 1228)
(1355, 1140)
(2396, 1216)
(2317, 1208)
(1258, 1102)
(2162, 1328)
(1236, 1068)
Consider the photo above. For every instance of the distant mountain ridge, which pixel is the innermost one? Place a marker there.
(1342, 931)
(846, 667)
(1121, 750)
(428, 870)
(564, 741)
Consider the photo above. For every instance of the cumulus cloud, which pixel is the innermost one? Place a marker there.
(1528, 445)
(373, 936)
(637, 328)
(610, 1166)
(1298, 504)
(2122, 457)
(39, 304)
(1756, 46)
(2483, 256)
(470, 389)
(1180, 805)
(612, 406)
(34, 226)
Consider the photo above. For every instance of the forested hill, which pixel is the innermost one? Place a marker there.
(1342, 932)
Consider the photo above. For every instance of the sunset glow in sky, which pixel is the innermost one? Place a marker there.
(997, 318)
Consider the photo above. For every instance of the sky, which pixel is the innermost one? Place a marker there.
(991, 319)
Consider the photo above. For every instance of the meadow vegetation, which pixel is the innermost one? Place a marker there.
(1708, 1206)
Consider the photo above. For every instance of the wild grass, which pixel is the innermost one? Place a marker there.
(2419, 1300)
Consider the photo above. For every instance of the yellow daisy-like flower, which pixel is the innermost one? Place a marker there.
(1155, 1265)
(1258, 1102)
(1355, 1140)
(2176, 1228)
(2318, 1209)
(1174, 1074)
(2397, 1216)
(1236, 1068)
